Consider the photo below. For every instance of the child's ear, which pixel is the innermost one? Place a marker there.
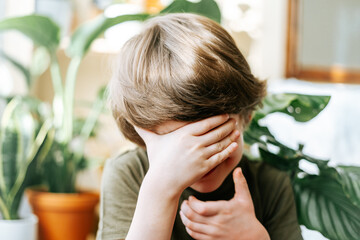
(249, 117)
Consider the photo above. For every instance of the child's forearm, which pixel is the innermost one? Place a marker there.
(155, 211)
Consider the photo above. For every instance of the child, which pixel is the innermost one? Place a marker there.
(184, 93)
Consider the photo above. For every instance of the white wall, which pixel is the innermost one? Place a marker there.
(273, 42)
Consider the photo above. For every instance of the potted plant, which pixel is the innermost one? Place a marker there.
(45, 33)
(329, 201)
(65, 157)
(23, 137)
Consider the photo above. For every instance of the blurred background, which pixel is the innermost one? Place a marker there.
(300, 46)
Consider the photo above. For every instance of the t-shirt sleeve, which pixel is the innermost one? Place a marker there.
(280, 218)
(121, 180)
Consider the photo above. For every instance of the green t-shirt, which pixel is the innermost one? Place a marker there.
(270, 190)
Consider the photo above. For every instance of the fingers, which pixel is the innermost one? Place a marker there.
(219, 133)
(207, 209)
(241, 187)
(190, 214)
(196, 225)
(205, 125)
(221, 145)
(219, 157)
(197, 235)
(195, 230)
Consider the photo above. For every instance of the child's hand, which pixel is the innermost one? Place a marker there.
(181, 157)
(233, 219)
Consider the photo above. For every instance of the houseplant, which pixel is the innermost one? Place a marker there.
(328, 202)
(65, 157)
(335, 215)
(45, 33)
(24, 138)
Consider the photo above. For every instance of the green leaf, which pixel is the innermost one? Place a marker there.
(280, 162)
(21, 137)
(40, 29)
(301, 107)
(40, 61)
(9, 144)
(323, 206)
(83, 37)
(350, 180)
(17, 134)
(258, 131)
(274, 103)
(19, 66)
(207, 8)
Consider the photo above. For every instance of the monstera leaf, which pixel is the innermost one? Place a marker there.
(301, 107)
(328, 202)
(324, 206)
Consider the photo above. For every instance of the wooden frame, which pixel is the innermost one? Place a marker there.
(335, 74)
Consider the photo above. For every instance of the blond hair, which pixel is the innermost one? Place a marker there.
(181, 67)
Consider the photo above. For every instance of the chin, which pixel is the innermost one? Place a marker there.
(204, 187)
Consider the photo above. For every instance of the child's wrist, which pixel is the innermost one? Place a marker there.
(158, 185)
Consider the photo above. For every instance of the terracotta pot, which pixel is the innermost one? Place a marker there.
(67, 216)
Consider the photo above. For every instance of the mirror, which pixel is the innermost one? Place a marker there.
(324, 40)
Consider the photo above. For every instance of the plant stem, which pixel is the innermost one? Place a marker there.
(58, 102)
(69, 99)
(90, 124)
(4, 210)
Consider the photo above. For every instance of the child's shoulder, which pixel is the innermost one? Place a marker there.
(135, 158)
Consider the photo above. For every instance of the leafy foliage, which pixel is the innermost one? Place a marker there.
(23, 140)
(41, 30)
(83, 37)
(327, 202)
(207, 8)
(26, 139)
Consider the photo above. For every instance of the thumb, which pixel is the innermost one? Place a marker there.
(241, 187)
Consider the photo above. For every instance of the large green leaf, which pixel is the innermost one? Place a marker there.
(11, 144)
(83, 37)
(16, 134)
(19, 66)
(20, 142)
(207, 8)
(323, 206)
(350, 180)
(280, 162)
(42, 30)
(301, 107)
